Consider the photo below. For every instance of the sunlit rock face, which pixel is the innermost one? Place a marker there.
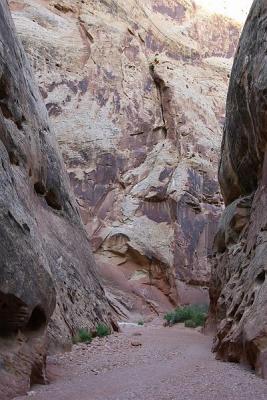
(237, 10)
(136, 93)
(238, 285)
(47, 271)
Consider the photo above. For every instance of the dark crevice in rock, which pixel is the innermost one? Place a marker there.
(86, 33)
(52, 200)
(63, 8)
(251, 301)
(260, 278)
(38, 376)
(160, 87)
(20, 122)
(14, 314)
(169, 116)
(50, 196)
(3, 87)
(39, 188)
(26, 227)
(37, 320)
(14, 160)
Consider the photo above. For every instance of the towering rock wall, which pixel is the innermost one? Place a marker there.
(46, 266)
(239, 285)
(136, 92)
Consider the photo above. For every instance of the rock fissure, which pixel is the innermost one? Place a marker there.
(160, 86)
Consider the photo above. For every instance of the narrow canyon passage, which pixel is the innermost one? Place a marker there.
(133, 182)
(149, 363)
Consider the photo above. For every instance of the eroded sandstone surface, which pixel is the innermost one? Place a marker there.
(46, 266)
(239, 286)
(136, 93)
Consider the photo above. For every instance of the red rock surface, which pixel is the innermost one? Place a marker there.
(42, 271)
(136, 93)
(238, 285)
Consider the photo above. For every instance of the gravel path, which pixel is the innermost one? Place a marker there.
(148, 363)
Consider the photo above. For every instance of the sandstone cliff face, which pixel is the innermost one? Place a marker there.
(239, 286)
(46, 266)
(136, 92)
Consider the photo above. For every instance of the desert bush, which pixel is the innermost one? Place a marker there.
(191, 315)
(102, 330)
(190, 324)
(82, 336)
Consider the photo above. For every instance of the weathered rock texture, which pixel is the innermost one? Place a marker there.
(136, 92)
(45, 257)
(239, 286)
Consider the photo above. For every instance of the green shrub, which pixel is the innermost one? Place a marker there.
(169, 317)
(141, 323)
(190, 324)
(83, 336)
(102, 330)
(193, 315)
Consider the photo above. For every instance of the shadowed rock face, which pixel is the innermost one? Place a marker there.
(239, 286)
(46, 266)
(136, 93)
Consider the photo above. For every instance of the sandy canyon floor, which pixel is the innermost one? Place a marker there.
(147, 363)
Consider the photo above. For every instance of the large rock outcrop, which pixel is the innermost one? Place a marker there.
(46, 266)
(136, 92)
(239, 286)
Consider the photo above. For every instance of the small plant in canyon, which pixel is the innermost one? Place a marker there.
(102, 330)
(83, 336)
(141, 323)
(192, 316)
(190, 324)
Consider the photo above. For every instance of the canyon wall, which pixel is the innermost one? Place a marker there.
(239, 286)
(136, 94)
(47, 271)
